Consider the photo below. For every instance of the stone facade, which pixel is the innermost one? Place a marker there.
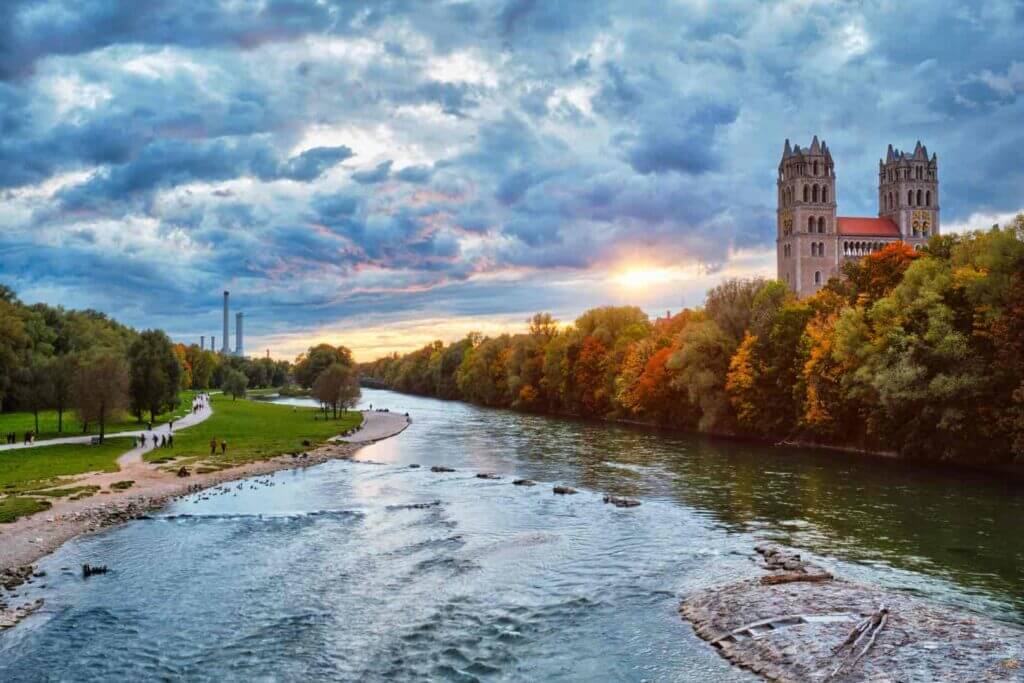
(812, 242)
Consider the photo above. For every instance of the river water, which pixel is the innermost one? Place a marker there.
(372, 570)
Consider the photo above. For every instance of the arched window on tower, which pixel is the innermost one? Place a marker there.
(920, 196)
(807, 193)
(928, 198)
(821, 224)
(824, 195)
(815, 168)
(910, 198)
(814, 194)
(810, 224)
(817, 277)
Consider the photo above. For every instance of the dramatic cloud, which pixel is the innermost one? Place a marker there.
(341, 164)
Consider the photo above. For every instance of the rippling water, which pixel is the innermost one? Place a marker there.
(373, 570)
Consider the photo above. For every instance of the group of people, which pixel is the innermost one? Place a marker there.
(30, 436)
(198, 403)
(160, 440)
(213, 446)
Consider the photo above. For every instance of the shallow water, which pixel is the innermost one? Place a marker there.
(373, 570)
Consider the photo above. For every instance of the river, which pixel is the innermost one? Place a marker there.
(372, 570)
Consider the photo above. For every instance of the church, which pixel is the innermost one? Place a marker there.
(813, 243)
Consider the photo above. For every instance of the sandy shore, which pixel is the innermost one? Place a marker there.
(32, 537)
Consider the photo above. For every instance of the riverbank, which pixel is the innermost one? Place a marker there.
(29, 538)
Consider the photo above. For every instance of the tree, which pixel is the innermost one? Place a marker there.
(155, 374)
(33, 388)
(13, 340)
(100, 388)
(62, 375)
(337, 387)
(235, 383)
(309, 365)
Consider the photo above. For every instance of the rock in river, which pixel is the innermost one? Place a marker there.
(564, 490)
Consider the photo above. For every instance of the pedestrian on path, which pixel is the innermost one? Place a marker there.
(223, 447)
(170, 440)
(213, 446)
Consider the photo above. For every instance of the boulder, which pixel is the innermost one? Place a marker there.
(564, 490)
(621, 502)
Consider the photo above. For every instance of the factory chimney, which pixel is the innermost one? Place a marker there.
(213, 343)
(238, 334)
(202, 342)
(225, 342)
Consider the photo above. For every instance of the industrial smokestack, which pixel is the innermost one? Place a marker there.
(238, 334)
(225, 341)
(202, 342)
(213, 343)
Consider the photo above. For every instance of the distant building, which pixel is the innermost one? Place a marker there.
(813, 243)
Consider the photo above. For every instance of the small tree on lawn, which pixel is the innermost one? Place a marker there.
(235, 383)
(337, 386)
(100, 388)
(33, 389)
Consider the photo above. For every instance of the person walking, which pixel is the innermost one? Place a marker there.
(223, 447)
(170, 440)
(213, 446)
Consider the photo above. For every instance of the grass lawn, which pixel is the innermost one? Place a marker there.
(21, 422)
(254, 430)
(12, 507)
(32, 468)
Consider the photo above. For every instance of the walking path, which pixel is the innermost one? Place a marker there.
(162, 429)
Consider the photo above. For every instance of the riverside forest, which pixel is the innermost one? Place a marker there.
(913, 352)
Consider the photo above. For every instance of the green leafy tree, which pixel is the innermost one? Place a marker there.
(155, 374)
(235, 383)
(309, 365)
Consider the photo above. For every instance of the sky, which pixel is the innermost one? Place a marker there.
(380, 174)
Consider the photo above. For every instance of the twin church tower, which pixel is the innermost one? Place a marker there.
(813, 242)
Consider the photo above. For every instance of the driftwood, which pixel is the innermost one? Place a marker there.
(488, 475)
(869, 628)
(524, 482)
(91, 570)
(564, 490)
(441, 468)
(793, 577)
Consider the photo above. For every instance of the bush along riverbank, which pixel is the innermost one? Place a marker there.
(912, 353)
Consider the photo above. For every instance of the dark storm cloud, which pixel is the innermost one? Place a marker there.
(464, 138)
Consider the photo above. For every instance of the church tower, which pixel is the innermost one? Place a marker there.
(806, 230)
(908, 193)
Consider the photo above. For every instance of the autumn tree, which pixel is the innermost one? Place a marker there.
(337, 387)
(100, 388)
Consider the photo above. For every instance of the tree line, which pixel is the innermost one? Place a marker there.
(89, 364)
(914, 352)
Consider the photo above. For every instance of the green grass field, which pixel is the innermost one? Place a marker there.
(12, 507)
(25, 469)
(21, 422)
(254, 430)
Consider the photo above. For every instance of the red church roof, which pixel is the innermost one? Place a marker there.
(867, 227)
